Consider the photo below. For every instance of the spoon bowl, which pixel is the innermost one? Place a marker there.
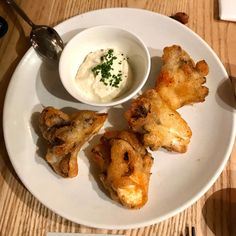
(46, 42)
(44, 39)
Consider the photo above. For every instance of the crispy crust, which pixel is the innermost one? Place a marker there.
(158, 124)
(65, 135)
(124, 166)
(180, 81)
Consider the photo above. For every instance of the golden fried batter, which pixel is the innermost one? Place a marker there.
(125, 167)
(157, 123)
(181, 81)
(65, 135)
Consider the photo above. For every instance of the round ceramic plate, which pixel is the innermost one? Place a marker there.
(177, 180)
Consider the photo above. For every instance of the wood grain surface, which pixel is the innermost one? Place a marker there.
(22, 214)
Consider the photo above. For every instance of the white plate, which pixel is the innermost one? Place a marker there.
(178, 180)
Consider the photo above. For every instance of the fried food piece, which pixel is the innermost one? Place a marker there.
(65, 135)
(158, 124)
(181, 81)
(125, 167)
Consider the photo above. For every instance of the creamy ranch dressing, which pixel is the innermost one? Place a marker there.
(104, 75)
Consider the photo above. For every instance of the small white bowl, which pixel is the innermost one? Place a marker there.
(103, 37)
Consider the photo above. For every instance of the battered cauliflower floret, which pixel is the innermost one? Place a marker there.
(124, 167)
(180, 81)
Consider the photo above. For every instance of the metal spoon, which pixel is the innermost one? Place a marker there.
(44, 39)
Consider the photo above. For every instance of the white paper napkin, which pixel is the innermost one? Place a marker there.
(227, 10)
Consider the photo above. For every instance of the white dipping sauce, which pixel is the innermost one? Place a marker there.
(104, 75)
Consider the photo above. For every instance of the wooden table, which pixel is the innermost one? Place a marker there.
(22, 214)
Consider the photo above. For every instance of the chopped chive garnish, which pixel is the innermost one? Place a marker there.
(105, 68)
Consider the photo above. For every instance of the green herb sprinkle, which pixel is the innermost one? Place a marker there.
(105, 69)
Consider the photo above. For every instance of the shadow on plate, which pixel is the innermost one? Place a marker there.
(69, 35)
(156, 63)
(219, 212)
(50, 78)
(116, 117)
(225, 95)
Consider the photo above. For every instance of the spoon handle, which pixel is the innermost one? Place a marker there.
(20, 12)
